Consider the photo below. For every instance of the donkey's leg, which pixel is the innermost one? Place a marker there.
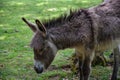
(89, 55)
(86, 69)
(85, 58)
(87, 65)
(119, 64)
(116, 63)
(81, 61)
(80, 57)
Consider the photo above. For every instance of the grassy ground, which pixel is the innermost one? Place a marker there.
(16, 57)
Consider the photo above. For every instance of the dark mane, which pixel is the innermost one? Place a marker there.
(64, 18)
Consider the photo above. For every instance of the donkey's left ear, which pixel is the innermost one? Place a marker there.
(41, 27)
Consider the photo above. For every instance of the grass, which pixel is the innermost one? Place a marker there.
(16, 57)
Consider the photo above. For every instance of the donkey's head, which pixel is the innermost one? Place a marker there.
(44, 49)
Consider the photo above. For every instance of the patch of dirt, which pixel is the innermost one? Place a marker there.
(57, 77)
(64, 67)
(52, 67)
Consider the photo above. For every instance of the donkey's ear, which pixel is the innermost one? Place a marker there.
(41, 27)
(31, 25)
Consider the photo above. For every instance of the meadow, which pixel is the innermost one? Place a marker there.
(16, 57)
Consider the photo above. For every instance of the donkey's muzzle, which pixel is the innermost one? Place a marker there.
(38, 70)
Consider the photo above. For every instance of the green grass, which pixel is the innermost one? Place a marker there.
(16, 57)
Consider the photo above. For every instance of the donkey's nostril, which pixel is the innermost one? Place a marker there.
(38, 70)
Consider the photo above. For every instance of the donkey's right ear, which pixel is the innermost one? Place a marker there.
(31, 25)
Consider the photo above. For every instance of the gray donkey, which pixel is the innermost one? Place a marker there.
(86, 30)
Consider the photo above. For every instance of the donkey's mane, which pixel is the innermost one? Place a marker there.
(67, 24)
(64, 18)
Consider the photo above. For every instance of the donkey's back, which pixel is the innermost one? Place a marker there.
(106, 23)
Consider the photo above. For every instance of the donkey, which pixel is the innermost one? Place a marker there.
(86, 30)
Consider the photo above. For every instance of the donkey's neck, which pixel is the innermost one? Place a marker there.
(63, 40)
(74, 32)
(70, 37)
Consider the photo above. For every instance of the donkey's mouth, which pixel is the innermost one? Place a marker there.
(39, 70)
